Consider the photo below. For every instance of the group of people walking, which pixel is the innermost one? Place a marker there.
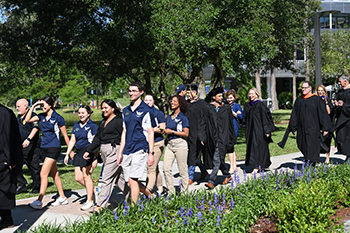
(196, 133)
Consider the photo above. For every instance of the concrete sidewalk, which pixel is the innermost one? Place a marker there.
(27, 218)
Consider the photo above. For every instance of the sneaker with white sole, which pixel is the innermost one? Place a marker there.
(60, 201)
(36, 205)
(87, 205)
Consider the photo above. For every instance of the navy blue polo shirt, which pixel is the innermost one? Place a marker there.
(136, 124)
(84, 134)
(177, 124)
(159, 118)
(51, 130)
(26, 128)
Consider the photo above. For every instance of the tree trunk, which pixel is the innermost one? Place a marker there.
(201, 85)
(307, 73)
(294, 74)
(257, 79)
(218, 77)
(273, 89)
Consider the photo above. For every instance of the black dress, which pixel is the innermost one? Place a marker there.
(258, 121)
(308, 118)
(342, 126)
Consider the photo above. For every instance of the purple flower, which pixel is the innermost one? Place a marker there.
(199, 216)
(325, 169)
(218, 220)
(315, 171)
(232, 204)
(309, 174)
(245, 175)
(259, 168)
(216, 201)
(153, 220)
(116, 217)
(185, 221)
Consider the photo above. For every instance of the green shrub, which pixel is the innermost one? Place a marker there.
(285, 100)
(309, 207)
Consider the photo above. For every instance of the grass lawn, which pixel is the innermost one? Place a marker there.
(67, 176)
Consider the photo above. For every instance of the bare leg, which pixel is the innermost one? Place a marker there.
(134, 190)
(89, 184)
(327, 158)
(57, 179)
(233, 165)
(44, 174)
(78, 175)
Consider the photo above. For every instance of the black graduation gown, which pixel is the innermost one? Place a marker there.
(327, 140)
(342, 126)
(10, 154)
(219, 131)
(258, 122)
(309, 117)
(196, 117)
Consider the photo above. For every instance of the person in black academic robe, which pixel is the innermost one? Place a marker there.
(10, 164)
(309, 117)
(259, 125)
(342, 114)
(326, 140)
(196, 117)
(220, 137)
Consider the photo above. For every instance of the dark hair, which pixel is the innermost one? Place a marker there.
(182, 102)
(49, 101)
(87, 108)
(139, 85)
(112, 104)
(308, 83)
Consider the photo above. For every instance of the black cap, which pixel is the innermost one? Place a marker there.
(217, 90)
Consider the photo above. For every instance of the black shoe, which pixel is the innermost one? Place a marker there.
(34, 191)
(21, 189)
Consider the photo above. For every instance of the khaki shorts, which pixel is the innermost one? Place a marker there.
(134, 164)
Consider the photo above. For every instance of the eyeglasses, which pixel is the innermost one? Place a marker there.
(134, 91)
(304, 87)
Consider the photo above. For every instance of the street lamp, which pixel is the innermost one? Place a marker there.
(318, 43)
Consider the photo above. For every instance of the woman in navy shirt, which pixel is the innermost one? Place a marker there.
(177, 128)
(51, 125)
(82, 135)
(153, 174)
(237, 112)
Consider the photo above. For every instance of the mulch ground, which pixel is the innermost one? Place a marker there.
(268, 225)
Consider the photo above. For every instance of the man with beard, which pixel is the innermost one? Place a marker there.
(10, 164)
(220, 137)
(342, 114)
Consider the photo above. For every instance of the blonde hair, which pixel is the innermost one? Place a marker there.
(256, 92)
(324, 89)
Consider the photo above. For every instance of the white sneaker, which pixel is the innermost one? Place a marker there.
(87, 205)
(60, 201)
(36, 205)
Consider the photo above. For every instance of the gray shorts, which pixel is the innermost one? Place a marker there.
(134, 164)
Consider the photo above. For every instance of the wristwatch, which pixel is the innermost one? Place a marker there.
(152, 153)
(29, 139)
(172, 133)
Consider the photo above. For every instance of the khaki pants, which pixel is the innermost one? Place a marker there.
(112, 173)
(176, 149)
(153, 174)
